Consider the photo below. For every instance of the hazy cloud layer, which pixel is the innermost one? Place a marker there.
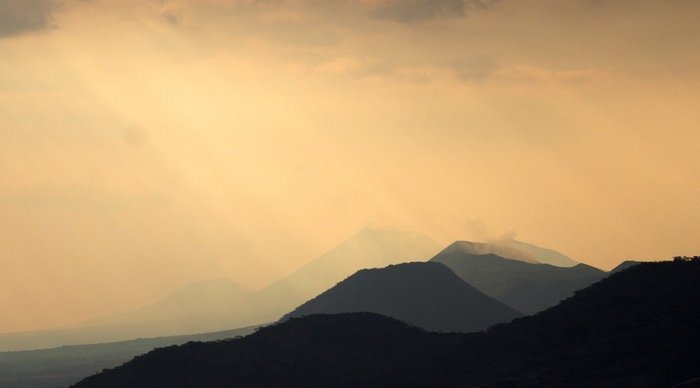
(21, 16)
(415, 11)
(410, 11)
(475, 69)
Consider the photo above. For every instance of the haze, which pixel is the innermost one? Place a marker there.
(146, 144)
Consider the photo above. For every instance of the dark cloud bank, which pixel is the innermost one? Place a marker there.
(416, 11)
(22, 16)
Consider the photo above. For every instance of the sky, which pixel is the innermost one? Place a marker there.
(148, 143)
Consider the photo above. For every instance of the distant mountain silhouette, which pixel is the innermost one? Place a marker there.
(220, 304)
(526, 287)
(59, 367)
(541, 255)
(368, 248)
(636, 328)
(197, 307)
(624, 265)
(427, 295)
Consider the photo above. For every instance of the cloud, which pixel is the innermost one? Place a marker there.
(22, 16)
(360, 68)
(416, 11)
(530, 74)
(475, 69)
(412, 11)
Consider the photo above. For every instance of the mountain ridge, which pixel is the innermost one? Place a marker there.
(368, 248)
(542, 255)
(483, 248)
(424, 294)
(526, 287)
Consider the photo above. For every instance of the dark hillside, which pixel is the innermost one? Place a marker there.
(65, 365)
(351, 350)
(636, 328)
(639, 327)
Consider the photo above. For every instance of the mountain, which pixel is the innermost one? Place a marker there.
(481, 248)
(635, 328)
(624, 265)
(368, 248)
(196, 307)
(426, 295)
(51, 368)
(220, 304)
(526, 287)
(539, 254)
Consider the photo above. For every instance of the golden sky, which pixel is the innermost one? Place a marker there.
(148, 143)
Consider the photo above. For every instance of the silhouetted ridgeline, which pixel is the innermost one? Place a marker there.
(624, 265)
(526, 287)
(637, 328)
(428, 295)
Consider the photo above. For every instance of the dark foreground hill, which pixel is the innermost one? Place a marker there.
(526, 287)
(636, 328)
(65, 365)
(427, 295)
(350, 350)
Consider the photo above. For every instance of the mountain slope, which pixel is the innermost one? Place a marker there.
(541, 255)
(526, 287)
(624, 265)
(200, 306)
(427, 295)
(368, 248)
(197, 307)
(481, 248)
(636, 328)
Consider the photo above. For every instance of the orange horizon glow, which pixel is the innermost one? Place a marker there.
(146, 144)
